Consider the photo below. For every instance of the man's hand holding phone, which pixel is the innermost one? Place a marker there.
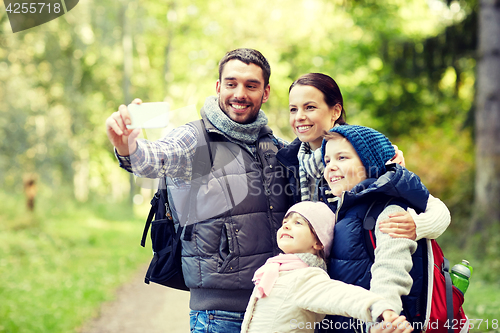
(122, 138)
(123, 127)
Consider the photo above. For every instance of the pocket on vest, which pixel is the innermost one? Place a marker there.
(227, 251)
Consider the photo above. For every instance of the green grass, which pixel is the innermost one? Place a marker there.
(482, 299)
(60, 263)
(482, 306)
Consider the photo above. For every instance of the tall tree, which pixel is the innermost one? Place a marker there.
(487, 186)
(128, 59)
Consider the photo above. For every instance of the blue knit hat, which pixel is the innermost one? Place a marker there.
(373, 148)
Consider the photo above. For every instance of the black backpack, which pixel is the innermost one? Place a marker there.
(165, 267)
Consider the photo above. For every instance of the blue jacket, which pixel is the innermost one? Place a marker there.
(349, 260)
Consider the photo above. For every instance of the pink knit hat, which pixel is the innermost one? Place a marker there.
(322, 219)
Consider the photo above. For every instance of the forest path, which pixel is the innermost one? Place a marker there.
(139, 308)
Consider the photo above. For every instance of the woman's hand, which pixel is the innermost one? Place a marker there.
(392, 324)
(399, 225)
(398, 158)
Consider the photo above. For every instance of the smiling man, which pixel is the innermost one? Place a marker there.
(235, 224)
(242, 88)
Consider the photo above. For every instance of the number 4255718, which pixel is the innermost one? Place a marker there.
(33, 8)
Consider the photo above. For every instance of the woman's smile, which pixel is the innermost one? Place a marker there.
(310, 116)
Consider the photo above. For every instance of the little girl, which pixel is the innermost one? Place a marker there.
(293, 292)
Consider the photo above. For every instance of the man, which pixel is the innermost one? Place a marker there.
(242, 204)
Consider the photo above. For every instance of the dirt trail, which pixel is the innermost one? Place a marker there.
(140, 308)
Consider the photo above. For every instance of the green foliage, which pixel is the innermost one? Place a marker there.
(482, 299)
(401, 65)
(60, 263)
(432, 157)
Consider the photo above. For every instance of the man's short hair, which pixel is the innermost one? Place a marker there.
(248, 56)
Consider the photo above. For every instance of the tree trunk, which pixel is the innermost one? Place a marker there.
(487, 185)
(127, 72)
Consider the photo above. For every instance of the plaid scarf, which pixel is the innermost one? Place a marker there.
(310, 166)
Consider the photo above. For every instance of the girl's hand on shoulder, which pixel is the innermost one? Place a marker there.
(399, 225)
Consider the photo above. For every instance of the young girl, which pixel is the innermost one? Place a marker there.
(293, 292)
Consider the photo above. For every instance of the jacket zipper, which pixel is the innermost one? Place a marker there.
(267, 192)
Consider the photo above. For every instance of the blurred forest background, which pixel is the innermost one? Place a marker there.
(409, 68)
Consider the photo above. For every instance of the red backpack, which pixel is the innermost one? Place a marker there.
(440, 304)
(446, 312)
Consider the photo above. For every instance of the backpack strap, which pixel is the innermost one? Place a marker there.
(202, 163)
(449, 294)
(152, 211)
(162, 191)
(202, 167)
(200, 126)
(267, 130)
(369, 222)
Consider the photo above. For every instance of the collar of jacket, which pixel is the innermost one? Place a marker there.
(397, 182)
(288, 155)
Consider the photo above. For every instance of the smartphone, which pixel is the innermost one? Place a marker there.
(148, 115)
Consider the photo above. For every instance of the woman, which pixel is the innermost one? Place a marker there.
(316, 105)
